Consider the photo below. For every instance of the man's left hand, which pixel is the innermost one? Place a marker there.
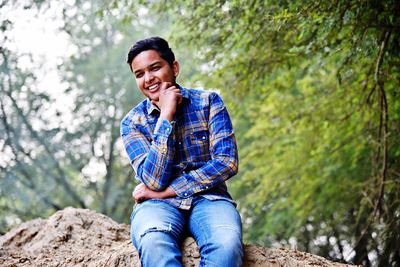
(142, 193)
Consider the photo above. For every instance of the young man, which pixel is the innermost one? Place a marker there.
(181, 145)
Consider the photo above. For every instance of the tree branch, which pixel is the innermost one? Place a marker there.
(384, 120)
(62, 178)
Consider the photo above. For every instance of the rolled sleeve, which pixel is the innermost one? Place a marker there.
(151, 159)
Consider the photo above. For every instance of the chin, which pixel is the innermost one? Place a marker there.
(154, 97)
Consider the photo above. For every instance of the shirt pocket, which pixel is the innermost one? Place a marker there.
(198, 139)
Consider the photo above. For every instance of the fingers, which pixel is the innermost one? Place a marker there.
(169, 87)
(173, 91)
(168, 90)
(166, 85)
(137, 197)
(138, 193)
(139, 187)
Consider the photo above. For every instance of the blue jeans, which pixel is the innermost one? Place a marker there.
(157, 229)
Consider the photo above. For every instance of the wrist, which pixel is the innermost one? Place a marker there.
(169, 192)
(167, 115)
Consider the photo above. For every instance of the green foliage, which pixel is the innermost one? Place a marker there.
(56, 155)
(313, 89)
(64, 150)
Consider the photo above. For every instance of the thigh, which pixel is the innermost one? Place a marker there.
(156, 216)
(210, 220)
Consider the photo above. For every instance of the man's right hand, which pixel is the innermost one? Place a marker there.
(170, 96)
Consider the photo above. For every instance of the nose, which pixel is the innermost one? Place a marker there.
(148, 77)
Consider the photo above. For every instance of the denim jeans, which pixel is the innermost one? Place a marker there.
(157, 230)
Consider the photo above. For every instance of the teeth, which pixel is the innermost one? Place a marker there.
(153, 87)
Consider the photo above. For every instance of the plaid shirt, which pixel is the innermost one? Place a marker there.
(195, 154)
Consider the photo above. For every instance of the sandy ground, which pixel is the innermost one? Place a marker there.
(81, 237)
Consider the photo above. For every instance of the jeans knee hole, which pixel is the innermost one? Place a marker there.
(155, 230)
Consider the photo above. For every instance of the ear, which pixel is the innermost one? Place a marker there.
(175, 68)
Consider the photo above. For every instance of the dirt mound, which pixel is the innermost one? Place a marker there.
(80, 237)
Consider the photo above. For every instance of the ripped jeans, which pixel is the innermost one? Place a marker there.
(157, 230)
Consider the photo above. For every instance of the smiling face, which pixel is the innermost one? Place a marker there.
(150, 70)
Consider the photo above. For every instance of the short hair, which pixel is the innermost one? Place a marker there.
(152, 43)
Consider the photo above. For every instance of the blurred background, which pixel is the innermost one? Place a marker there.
(313, 88)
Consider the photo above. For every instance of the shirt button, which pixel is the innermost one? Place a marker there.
(185, 194)
(204, 137)
(180, 143)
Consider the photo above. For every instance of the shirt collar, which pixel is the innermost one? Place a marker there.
(151, 108)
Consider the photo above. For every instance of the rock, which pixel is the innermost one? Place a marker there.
(81, 237)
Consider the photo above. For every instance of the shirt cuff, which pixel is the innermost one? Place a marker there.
(181, 187)
(163, 127)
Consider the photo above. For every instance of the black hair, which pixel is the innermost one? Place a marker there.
(152, 43)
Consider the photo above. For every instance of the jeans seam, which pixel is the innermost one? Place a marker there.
(205, 239)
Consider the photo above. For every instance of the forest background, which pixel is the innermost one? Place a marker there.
(313, 88)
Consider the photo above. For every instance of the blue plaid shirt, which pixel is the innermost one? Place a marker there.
(195, 154)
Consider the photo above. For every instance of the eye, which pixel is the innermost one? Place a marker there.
(139, 74)
(155, 68)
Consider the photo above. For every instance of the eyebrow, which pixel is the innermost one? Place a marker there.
(149, 66)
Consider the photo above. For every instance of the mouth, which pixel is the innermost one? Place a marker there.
(153, 88)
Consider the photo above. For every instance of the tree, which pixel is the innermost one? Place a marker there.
(64, 150)
(30, 169)
(313, 87)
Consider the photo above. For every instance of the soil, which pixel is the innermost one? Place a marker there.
(81, 237)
